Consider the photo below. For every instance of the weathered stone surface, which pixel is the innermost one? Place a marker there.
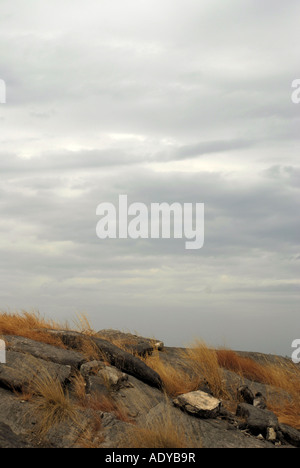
(91, 368)
(8, 439)
(245, 395)
(132, 343)
(44, 351)
(199, 404)
(291, 435)
(138, 398)
(206, 433)
(113, 378)
(117, 357)
(96, 385)
(258, 421)
(21, 369)
(128, 363)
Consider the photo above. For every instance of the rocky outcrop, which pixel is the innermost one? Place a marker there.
(125, 386)
(44, 351)
(117, 357)
(20, 370)
(132, 343)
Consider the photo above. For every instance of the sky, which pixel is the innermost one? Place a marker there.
(175, 101)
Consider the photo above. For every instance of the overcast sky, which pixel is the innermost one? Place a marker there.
(165, 101)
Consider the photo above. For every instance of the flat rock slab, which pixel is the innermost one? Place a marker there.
(21, 369)
(199, 404)
(44, 351)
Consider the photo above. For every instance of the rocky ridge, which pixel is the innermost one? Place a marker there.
(118, 375)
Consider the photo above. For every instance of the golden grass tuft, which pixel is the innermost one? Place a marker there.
(96, 401)
(283, 376)
(51, 404)
(29, 325)
(203, 361)
(175, 381)
(161, 433)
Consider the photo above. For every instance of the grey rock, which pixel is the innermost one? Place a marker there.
(257, 421)
(131, 343)
(8, 439)
(117, 357)
(291, 435)
(91, 368)
(199, 404)
(44, 351)
(127, 363)
(21, 369)
(245, 395)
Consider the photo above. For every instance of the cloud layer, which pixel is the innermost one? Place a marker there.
(166, 102)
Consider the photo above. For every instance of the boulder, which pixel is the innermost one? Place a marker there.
(44, 351)
(199, 404)
(291, 435)
(127, 363)
(258, 421)
(21, 369)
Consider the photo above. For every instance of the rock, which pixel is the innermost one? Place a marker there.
(91, 368)
(131, 343)
(206, 433)
(96, 385)
(199, 404)
(257, 421)
(271, 435)
(244, 394)
(117, 357)
(44, 351)
(128, 363)
(260, 401)
(291, 435)
(113, 378)
(8, 439)
(21, 369)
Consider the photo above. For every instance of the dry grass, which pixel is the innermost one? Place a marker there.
(91, 437)
(29, 325)
(175, 381)
(51, 403)
(161, 433)
(96, 401)
(283, 375)
(203, 361)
